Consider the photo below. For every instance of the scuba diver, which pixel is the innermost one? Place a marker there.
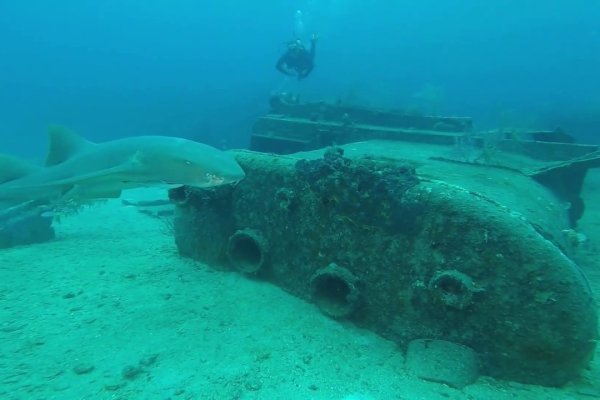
(297, 61)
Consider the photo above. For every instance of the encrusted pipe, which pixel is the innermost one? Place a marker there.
(247, 251)
(179, 196)
(453, 289)
(335, 291)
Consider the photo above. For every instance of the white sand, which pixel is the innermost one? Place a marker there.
(112, 292)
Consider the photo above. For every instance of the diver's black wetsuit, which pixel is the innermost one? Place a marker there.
(298, 59)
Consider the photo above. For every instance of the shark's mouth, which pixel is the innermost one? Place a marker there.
(214, 180)
(207, 181)
(150, 183)
(168, 185)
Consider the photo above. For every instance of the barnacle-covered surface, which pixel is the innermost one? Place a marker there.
(428, 249)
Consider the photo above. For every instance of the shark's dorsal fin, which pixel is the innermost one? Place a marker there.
(64, 144)
(12, 168)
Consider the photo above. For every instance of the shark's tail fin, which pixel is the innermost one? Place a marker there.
(12, 168)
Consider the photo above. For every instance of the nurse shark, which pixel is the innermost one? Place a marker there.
(78, 171)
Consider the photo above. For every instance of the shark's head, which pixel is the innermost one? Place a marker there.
(177, 161)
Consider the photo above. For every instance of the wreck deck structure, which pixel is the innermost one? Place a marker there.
(417, 228)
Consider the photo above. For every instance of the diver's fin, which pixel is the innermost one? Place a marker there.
(12, 168)
(64, 144)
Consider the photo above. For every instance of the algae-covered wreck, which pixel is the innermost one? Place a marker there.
(414, 227)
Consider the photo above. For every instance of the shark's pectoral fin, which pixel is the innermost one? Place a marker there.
(64, 144)
(82, 194)
(107, 194)
(102, 184)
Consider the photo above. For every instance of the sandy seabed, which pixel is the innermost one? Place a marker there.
(109, 310)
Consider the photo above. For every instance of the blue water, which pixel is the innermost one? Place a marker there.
(204, 70)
